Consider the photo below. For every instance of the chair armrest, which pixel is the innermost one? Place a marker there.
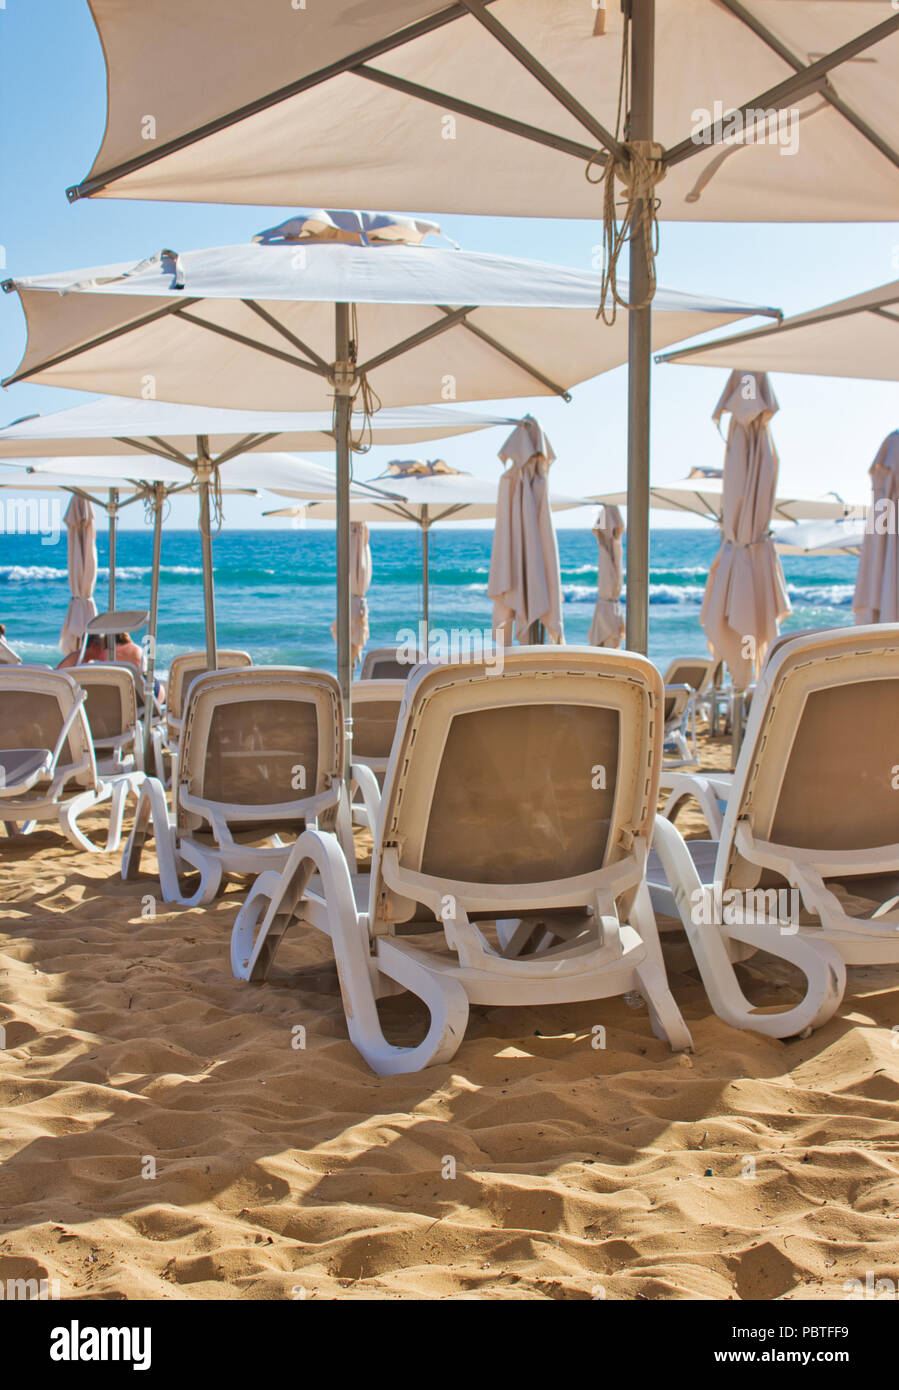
(66, 729)
(367, 783)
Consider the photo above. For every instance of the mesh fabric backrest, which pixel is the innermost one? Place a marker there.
(255, 751)
(104, 710)
(670, 704)
(388, 668)
(837, 792)
(515, 800)
(689, 673)
(374, 725)
(184, 669)
(31, 719)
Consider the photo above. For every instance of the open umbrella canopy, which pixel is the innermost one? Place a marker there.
(253, 327)
(22, 479)
(701, 494)
(766, 111)
(854, 337)
(272, 472)
(843, 536)
(423, 498)
(115, 425)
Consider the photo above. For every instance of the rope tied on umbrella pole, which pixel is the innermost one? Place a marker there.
(364, 399)
(638, 171)
(639, 174)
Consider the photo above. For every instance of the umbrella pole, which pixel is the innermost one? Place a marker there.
(425, 576)
(112, 509)
(639, 348)
(150, 674)
(343, 380)
(204, 475)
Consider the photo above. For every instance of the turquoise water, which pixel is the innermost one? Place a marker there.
(274, 589)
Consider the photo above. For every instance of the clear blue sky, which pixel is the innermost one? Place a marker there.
(52, 110)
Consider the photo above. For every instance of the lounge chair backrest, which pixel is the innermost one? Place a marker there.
(187, 665)
(697, 672)
(817, 770)
(34, 705)
(542, 772)
(385, 664)
(111, 691)
(675, 705)
(267, 737)
(376, 709)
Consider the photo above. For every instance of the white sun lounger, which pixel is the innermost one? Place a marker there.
(676, 715)
(814, 808)
(111, 690)
(508, 862)
(711, 788)
(260, 759)
(384, 663)
(183, 669)
(47, 767)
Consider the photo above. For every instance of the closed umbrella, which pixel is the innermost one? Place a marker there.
(876, 598)
(524, 580)
(82, 543)
(360, 579)
(607, 627)
(745, 596)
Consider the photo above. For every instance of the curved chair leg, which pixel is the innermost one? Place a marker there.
(210, 870)
(252, 952)
(152, 808)
(665, 1017)
(822, 966)
(71, 810)
(130, 782)
(258, 930)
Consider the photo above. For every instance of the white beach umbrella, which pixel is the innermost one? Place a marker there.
(320, 321)
(497, 109)
(702, 494)
(876, 598)
(607, 627)
(713, 110)
(157, 478)
(745, 596)
(854, 337)
(423, 492)
(844, 536)
(524, 580)
(249, 327)
(82, 556)
(117, 425)
(183, 439)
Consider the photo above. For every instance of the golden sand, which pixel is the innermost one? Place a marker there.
(164, 1136)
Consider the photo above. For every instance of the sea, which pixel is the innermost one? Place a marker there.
(274, 589)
